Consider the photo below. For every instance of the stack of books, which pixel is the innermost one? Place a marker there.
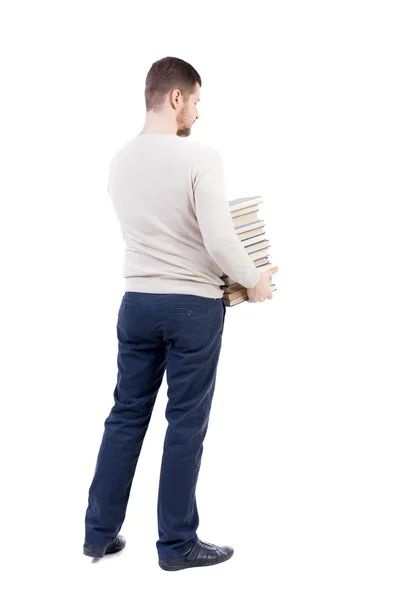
(250, 231)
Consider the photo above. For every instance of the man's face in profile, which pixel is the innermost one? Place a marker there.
(188, 114)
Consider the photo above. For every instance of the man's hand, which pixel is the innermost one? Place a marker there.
(262, 291)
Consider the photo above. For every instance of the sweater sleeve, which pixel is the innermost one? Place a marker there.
(215, 222)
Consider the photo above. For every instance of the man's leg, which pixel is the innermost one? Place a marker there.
(193, 336)
(141, 366)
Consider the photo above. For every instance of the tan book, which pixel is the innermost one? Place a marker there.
(259, 254)
(236, 301)
(243, 298)
(234, 295)
(245, 219)
(254, 239)
(240, 203)
(262, 261)
(248, 234)
(255, 247)
(234, 287)
(250, 226)
(243, 211)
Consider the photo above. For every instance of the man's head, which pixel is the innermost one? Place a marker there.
(172, 93)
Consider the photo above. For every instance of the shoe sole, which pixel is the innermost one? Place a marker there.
(93, 553)
(167, 567)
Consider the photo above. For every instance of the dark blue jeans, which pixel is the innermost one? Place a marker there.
(182, 334)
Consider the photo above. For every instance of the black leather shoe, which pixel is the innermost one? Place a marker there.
(202, 554)
(114, 546)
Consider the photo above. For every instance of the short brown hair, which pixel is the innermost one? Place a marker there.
(167, 74)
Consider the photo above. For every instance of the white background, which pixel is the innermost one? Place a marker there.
(300, 471)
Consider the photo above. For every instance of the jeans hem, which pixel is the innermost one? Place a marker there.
(180, 551)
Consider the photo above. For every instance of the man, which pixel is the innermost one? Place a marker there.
(170, 199)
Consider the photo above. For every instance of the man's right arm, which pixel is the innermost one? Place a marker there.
(215, 221)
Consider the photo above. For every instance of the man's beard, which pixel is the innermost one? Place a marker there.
(182, 129)
(185, 132)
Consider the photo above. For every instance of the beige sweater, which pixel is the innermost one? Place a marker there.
(170, 199)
